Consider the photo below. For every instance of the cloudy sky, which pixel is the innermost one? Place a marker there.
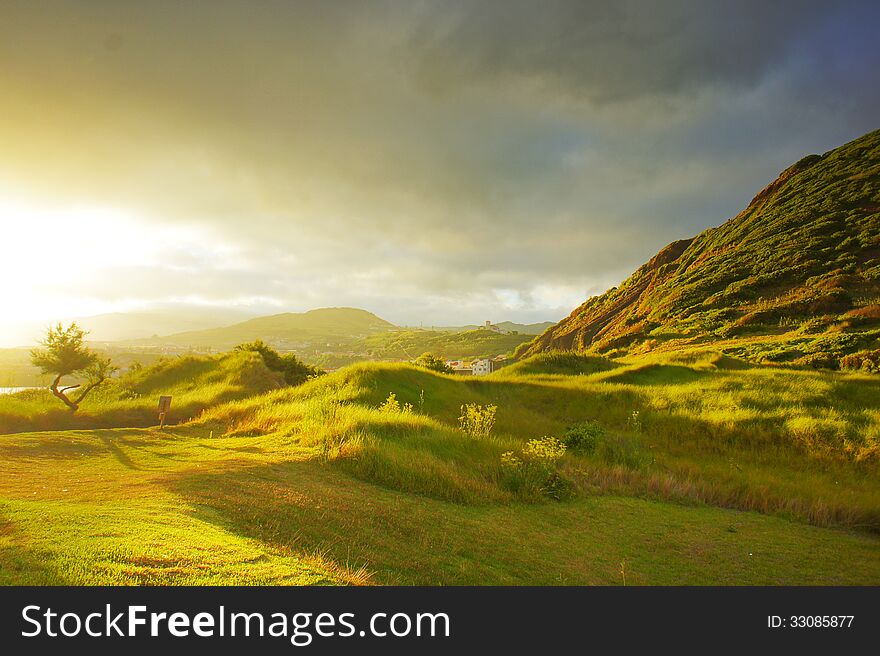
(433, 162)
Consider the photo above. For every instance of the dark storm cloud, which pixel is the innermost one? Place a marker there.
(612, 50)
(423, 158)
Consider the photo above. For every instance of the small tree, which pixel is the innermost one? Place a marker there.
(432, 362)
(66, 355)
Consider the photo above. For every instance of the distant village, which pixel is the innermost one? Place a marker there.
(477, 367)
(480, 366)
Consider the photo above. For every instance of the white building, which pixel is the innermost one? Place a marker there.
(483, 367)
(495, 329)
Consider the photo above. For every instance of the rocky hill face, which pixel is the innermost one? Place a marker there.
(801, 263)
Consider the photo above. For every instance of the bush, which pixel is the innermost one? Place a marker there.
(583, 437)
(817, 361)
(294, 370)
(433, 363)
(477, 420)
(392, 406)
(534, 471)
(866, 361)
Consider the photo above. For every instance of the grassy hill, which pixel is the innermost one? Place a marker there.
(195, 383)
(702, 469)
(795, 277)
(321, 327)
(506, 326)
(409, 344)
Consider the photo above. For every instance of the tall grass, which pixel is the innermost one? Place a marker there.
(689, 428)
(798, 443)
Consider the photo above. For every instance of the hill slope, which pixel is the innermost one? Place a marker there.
(800, 262)
(321, 325)
(408, 344)
(194, 382)
(506, 326)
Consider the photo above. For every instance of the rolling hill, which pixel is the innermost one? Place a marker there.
(506, 326)
(409, 344)
(324, 326)
(687, 476)
(794, 277)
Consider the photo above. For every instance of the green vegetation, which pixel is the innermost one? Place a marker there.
(431, 362)
(583, 437)
(335, 337)
(66, 355)
(534, 471)
(476, 420)
(506, 326)
(365, 475)
(559, 363)
(307, 331)
(794, 278)
(17, 370)
(407, 344)
(294, 371)
(194, 382)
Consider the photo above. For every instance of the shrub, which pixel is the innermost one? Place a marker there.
(634, 422)
(583, 437)
(477, 420)
(392, 406)
(817, 361)
(433, 363)
(534, 471)
(294, 370)
(862, 361)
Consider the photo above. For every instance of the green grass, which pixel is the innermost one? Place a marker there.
(754, 439)
(195, 383)
(148, 507)
(409, 344)
(702, 460)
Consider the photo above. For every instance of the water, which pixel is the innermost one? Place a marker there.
(13, 390)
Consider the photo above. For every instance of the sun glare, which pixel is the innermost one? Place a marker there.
(46, 252)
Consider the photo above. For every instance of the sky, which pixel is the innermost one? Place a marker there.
(437, 163)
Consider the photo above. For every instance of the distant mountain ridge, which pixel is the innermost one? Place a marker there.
(800, 264)
(326, 325)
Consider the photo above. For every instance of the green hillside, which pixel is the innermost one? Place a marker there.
(195, 383)
(409, 344)
(317, 328)
(795, 277)
(693, 469)
(506, 326)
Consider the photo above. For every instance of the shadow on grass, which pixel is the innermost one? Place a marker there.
(407, 539)
(110, 442)
(20, 565)
(657, 374)
(45, 446)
